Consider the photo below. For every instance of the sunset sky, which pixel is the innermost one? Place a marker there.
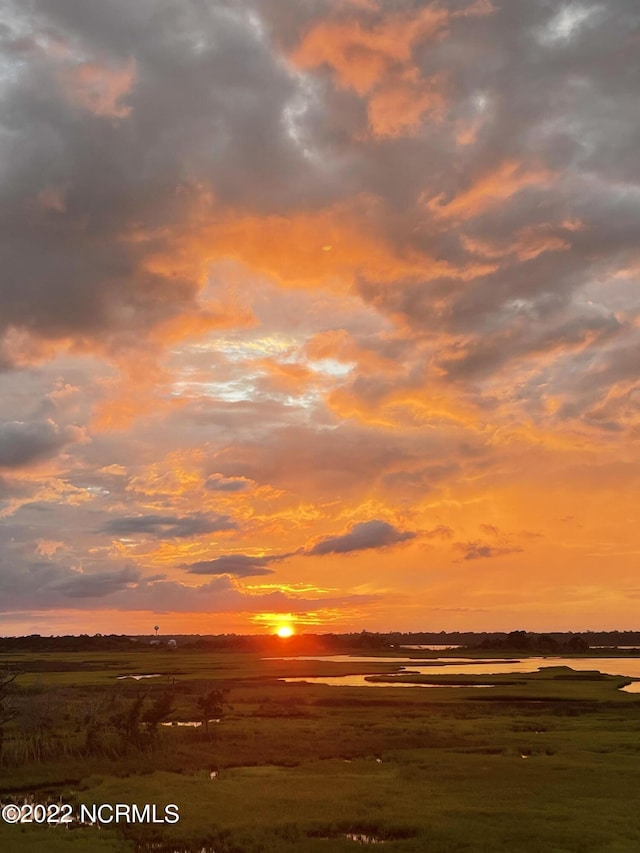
(319, 312)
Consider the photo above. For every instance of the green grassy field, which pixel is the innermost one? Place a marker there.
(541, 763)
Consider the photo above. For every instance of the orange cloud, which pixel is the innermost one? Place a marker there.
(143, 380)
(488, 191)
(403, 408)
(287, 377)
(290, 249)
(331, 248)
(374, 56)
(338, 345)
(360, 55)
(201, 320)
(398, 106)
(360, 52)
(527, 243)
(133, 392)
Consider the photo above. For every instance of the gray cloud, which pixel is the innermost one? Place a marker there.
(251, 138)
(50, 583)
(22, 443)
(442, 531)
(303, 458)
(550, 240)
(479, 550)
(46, 585)
(361, 537)
(168, 526)
(239, 565)
(219, 483)
(523, 337)
(95, 585)
(131, 91)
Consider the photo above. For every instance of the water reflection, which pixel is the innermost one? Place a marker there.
(138, 677)
(382, 659)
(361, 681)
(626, 666)
(607, 666)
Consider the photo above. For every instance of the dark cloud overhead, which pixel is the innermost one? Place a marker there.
(130, 90)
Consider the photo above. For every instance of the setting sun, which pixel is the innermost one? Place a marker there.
(285, 631)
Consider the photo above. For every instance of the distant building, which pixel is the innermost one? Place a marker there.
(172, 645)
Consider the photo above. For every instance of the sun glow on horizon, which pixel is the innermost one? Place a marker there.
(284, 631)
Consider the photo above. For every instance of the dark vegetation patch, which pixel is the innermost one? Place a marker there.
(58, 665)
(582, 676)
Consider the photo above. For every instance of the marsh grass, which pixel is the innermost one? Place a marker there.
(548, 764)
